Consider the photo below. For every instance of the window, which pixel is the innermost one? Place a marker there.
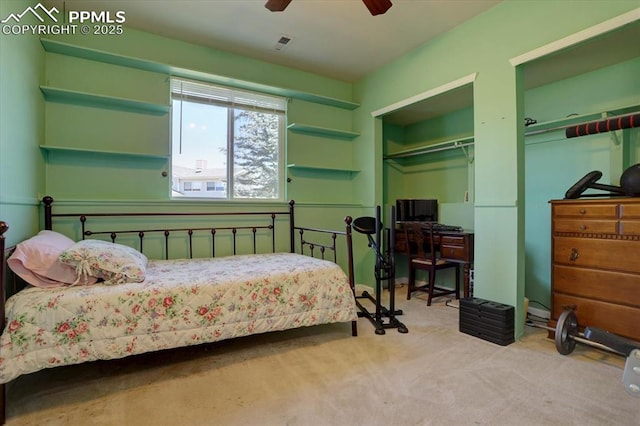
(226, 143)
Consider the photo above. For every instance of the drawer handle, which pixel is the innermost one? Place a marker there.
(583, 211)
(574, 255)
(583, 227)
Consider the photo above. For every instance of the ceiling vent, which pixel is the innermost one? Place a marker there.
(282, 43)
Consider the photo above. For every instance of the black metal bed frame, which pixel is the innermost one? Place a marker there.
(309, 238)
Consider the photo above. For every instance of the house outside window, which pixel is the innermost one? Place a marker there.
(227, 144)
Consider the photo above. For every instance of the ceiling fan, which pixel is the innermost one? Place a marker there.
(376, 7)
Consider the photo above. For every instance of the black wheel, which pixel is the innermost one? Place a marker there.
(566, 330)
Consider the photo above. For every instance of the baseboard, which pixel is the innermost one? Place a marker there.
(540, 313)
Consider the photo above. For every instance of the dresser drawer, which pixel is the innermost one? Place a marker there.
(614, 287)
(452, 240)
(400, 245)
(453, 252)
(617, 319)
(630, 227)
(606, 211)
(630, 211)
(457, 247)
(598, 253)
(586, 226)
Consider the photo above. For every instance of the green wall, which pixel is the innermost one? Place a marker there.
(97, 133)
(132, 67)
(483, 45)
(21, 129)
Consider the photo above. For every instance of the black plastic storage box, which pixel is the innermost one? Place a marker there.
(487, 320)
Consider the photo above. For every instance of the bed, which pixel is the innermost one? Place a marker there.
(114, 301)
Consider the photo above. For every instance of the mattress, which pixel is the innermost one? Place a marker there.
(180, 303)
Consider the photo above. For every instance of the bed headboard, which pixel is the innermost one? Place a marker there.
(253, 224)
(230, 226)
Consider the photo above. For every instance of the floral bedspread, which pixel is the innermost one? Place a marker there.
(180, 303)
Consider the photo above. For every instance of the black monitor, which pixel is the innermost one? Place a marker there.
(417, 210)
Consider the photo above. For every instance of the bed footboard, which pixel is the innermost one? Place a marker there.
(322, 242)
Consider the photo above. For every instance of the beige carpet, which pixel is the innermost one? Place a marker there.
(434, 375)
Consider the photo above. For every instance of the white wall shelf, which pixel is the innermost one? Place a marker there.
(322, 131)
(321, 168)
(49, 148)
(53, 46)
(54, 94)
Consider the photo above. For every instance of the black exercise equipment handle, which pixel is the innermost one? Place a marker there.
(615, 342)
(589, 181)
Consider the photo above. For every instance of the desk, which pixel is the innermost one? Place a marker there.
(455, 246)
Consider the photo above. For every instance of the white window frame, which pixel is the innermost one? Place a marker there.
(232, 98)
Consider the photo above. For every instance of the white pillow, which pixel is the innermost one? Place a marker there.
(36, 261)
(115, 263)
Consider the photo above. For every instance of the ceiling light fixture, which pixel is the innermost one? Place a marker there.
(376, 7)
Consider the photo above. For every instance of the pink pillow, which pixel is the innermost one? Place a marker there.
(36, 261)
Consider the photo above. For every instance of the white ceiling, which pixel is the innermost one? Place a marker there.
(335, 38)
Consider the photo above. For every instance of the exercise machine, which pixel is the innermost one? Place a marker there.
(383, 317)
(629, 185)
(567, 335)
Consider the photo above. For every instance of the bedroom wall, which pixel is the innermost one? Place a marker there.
(108, 131)
(113, 156)
(484, 46)
(21, 128)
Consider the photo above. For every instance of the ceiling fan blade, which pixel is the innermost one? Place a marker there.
(277, 5)
(377, 7)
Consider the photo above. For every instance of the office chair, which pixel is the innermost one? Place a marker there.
(423, 254)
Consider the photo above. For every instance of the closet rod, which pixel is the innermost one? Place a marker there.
(553, 129)
(428, 150)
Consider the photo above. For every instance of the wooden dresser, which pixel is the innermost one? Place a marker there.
(595, 263)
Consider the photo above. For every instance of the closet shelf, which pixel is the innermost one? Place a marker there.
(573, 120)
(51, 148)
(321, 168)
(461, 144)
(53, 46)
(71, 96)
(321, 131)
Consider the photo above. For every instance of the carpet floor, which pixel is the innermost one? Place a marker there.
(433, 375)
